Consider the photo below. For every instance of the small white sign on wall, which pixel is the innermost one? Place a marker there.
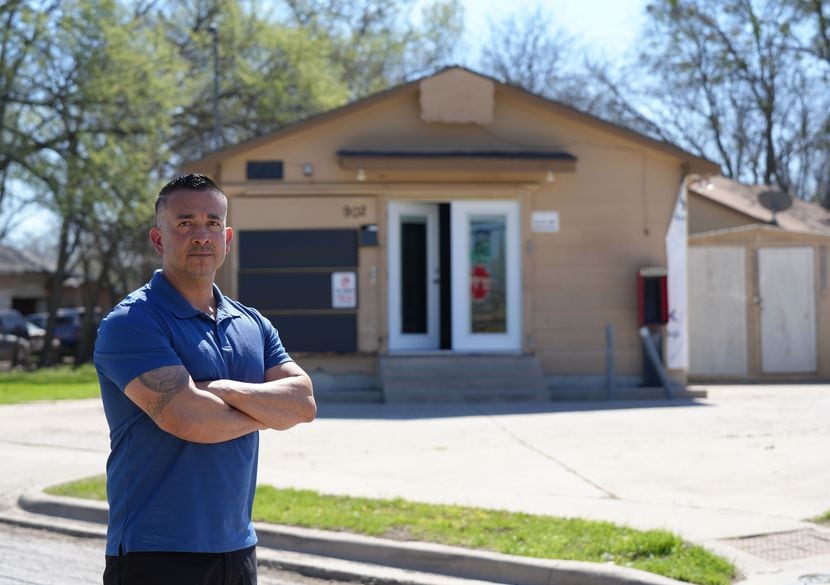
(545, 221)
(343, 290)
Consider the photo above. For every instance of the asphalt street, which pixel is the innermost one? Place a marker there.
(38, 557)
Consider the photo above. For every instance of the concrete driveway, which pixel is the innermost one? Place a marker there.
(746, 461)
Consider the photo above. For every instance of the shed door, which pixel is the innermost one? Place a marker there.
(717, 311)
(788, 310)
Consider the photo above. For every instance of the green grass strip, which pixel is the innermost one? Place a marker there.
(90, 488)
(512, 533)
(547, 537)
(58, 383)
(821, 518)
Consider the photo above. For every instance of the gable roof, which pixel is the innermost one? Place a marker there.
(14, 261)
(696, 163)
(802, 217)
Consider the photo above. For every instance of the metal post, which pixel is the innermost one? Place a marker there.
(609, 361)
(654, 358)
(214, 31)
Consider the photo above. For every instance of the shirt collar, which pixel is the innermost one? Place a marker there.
(182, 309)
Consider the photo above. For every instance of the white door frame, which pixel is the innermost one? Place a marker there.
(399, 341)
(463, 339)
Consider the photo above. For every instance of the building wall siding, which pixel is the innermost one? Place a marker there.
(614, 211)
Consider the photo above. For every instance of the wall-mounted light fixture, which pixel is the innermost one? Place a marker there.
(361, 175)
(308, 169)
(550, 177)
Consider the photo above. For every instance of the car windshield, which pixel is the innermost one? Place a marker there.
(37, 319)
(34, 329)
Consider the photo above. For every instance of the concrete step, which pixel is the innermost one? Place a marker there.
(462, 378)
(419, 395)
(350, 395)
(466, 380)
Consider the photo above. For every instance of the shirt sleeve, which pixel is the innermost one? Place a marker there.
(132, 341)
(275, 353)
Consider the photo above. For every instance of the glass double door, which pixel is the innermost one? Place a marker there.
(454, 276)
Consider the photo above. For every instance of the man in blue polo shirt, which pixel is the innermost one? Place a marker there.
(188, 377)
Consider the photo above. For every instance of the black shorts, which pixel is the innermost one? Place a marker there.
(177, 568)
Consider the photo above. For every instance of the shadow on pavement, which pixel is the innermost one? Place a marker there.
(351, 411)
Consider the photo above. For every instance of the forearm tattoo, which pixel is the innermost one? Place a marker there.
(166, 382)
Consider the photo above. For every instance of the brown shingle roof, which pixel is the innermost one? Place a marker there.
(802, 217)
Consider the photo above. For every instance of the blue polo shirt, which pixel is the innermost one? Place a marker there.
(167, 494)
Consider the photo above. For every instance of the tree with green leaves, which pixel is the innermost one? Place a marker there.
(269, 74)
(103, 99)
(98, 92)
(22, 26)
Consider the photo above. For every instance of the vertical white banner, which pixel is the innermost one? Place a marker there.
(677, 329)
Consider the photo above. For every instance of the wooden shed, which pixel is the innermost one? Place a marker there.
(758, 286)
(451, 238)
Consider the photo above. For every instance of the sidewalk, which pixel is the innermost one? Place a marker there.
(746, 461)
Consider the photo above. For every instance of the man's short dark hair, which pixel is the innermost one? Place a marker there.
(191, 182)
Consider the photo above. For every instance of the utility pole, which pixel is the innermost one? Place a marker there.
(214, 32)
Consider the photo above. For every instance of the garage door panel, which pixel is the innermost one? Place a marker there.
(287, 275)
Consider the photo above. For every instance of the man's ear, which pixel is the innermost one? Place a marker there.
(228, 238)
(155, 238)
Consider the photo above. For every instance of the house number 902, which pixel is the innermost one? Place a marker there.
(354, 211)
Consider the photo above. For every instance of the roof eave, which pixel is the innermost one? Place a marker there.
(692, 163)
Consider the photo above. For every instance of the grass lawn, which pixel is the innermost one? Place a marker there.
(58, 383)
(512, 533)
(821, 519)
(91, 488)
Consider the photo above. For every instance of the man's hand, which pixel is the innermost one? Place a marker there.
(285, 399)
(169, 396)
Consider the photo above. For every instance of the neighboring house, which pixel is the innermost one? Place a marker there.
(452, 237)
(759, 307)
(24, 284)
(23, 281)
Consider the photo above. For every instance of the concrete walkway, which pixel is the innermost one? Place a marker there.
(738, 472)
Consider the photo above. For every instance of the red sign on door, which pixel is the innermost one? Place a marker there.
(480, 282)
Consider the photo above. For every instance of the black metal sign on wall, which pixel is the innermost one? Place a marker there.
(287, 275)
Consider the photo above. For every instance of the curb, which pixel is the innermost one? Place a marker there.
(438, 559)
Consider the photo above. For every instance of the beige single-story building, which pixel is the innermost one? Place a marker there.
(453, 237)
(759, 308)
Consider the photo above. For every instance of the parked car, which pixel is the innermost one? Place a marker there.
(69, 323)
(15, 347)
(37, 339)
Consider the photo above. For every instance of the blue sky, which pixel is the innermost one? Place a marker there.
(609, 27)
